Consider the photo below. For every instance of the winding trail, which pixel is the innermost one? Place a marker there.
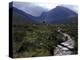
(66, 47)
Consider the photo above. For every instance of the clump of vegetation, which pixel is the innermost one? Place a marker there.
(38, 40)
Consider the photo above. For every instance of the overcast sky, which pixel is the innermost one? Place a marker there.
(50, 2)
(45, 4)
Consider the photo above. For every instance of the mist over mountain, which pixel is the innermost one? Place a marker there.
(30, 13)
(20, 17)
(29, 8)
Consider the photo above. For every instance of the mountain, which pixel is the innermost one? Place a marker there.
(58, 15)
(20, 17)
(30, 8)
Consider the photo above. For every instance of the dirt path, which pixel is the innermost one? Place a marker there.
(66, 47)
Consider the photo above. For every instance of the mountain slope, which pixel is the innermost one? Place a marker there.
(60, 15)
(20, 17)
(30, 8)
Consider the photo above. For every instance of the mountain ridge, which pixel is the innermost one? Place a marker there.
(58, 15)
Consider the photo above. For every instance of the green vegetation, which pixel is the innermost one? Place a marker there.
(32, 40)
